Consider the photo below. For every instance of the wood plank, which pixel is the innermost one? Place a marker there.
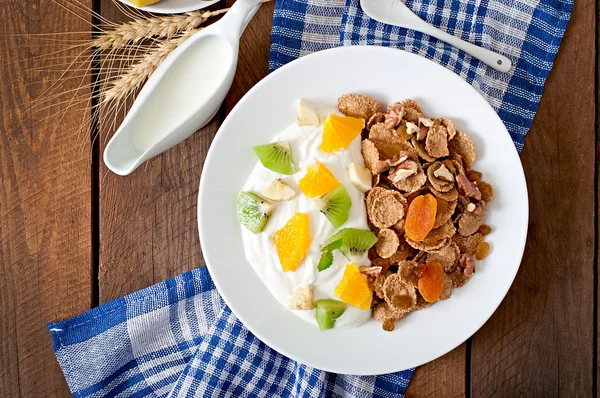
(148, 219)
(45, 214)
(444, 377)
(540, 341)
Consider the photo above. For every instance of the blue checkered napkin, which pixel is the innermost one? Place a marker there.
(178, 339)
(529, 32)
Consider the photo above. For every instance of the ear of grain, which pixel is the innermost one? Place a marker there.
(140, 29)
(137, 73)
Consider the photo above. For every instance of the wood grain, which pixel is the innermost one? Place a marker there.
(540, 341)
(444, 377)
(45, 227)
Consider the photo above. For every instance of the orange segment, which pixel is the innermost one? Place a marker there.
(292, 241)
(339, 131)
(317, 181)
(354, 289)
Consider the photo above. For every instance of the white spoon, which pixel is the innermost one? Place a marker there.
(183, 94)
(395, 12)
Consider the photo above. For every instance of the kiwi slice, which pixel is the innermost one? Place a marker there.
(335, 205)
(327, 311)
(254, 211)
(355, 242)
(276, 156)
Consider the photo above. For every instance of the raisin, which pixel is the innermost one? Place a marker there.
(483, 248)
(388, 325)
(485, 230)
(402, 134)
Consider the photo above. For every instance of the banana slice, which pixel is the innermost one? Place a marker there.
(361, 177)
(307, 114)
(279, 191)
(301, 299)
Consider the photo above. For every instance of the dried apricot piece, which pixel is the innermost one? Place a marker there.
(483, 248)
(431, 282)
(420, 217)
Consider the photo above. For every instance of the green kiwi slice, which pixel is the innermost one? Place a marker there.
(327, 311)
(335, 205)
(254, 211)
(355, 242)
(276, 156)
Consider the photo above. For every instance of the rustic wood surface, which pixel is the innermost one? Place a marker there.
(45, 201)
(73, 235)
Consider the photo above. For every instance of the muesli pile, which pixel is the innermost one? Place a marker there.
(427, 206)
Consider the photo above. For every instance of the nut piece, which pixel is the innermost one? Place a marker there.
(404, 170)
(301, 298)
(279, 191)
(443, 173)
(307, 114)
(425, 121)
(411, 128)
(467, 261)
(467, 187)
(360, 177)
(358, 105)
(392, 119)
(412, 183)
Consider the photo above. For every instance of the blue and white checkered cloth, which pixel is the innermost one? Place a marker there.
(178, 338)
(528, 32)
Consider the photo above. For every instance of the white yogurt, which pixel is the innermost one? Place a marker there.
(260, 249)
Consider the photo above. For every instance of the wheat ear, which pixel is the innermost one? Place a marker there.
(141, 29)
(137, 73)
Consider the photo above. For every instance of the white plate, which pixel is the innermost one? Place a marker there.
(387, 75)
(173, 6)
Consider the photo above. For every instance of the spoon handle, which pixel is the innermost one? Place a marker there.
(397, 13)
(490, 58)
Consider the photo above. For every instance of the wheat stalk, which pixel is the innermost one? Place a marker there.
(141, 29)
(137, 73)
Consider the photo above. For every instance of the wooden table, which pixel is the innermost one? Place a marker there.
(73, 235)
